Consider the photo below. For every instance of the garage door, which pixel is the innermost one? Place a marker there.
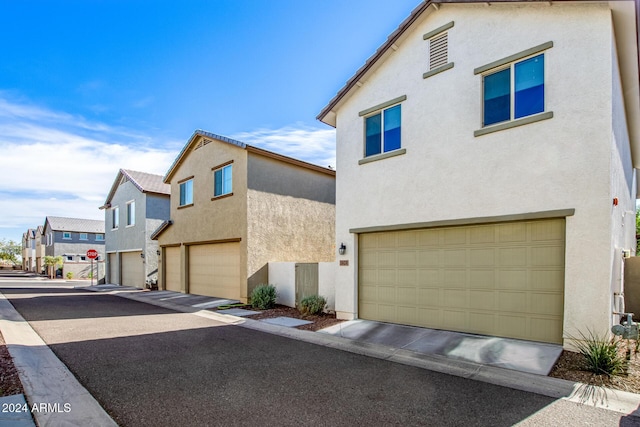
(502, 279)
(172, 269)
(113, 269)
(132, 269)
(214, 270)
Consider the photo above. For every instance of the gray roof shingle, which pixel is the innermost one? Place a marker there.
(78, 225)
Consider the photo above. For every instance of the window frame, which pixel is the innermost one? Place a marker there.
(380, 110)
(86, 236)
(68, 258)
(184, 183)
(510, 63)
(222, 168)
(115, 217)
(65, 234)
(131, 213)
(99, 237)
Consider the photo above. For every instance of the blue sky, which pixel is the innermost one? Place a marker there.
(88, 87)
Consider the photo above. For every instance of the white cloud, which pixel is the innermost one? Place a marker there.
(310, 144)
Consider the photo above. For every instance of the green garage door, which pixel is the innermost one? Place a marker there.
(503, 279)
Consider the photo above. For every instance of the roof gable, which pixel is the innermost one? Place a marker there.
(196, 142)
(143, 181)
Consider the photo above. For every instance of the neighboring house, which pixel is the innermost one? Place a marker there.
(234, 208)
(29, 250)
(486, 181)
(71, 238)
(40, 249)
(137, 204)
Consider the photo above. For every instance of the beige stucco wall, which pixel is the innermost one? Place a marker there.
(209, 220)
(447, 173)
(285, 228)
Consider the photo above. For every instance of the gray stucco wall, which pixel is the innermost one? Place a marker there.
(150, 211)
(272, 176)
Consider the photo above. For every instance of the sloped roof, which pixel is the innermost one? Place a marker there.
(185, 150)
(165, 224)
(78, 225)
(143, 181)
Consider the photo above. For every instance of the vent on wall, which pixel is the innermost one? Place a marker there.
(438, 47)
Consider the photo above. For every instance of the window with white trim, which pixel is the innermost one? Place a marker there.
(186, 193)
(115, 217)
(69, 257)
(514, 91)
(66, 235)
(131, 213)
(222, 181)
(99, 237)
(382, 131)
(84, 236)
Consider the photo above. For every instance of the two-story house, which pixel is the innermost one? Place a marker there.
(29, 250)
(71, 238)
(137, 204)
(234, 209)
(40, 249)
(486, 156)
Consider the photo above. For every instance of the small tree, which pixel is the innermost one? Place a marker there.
(52, 263)
(10, 251)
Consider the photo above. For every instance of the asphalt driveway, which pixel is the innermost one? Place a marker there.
(151, 366)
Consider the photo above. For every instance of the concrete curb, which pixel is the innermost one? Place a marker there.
(599, 397)
(58, 397)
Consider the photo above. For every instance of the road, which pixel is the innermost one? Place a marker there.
(151, 366)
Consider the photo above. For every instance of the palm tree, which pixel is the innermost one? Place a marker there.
(52, 262)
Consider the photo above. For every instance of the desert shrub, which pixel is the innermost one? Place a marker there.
(70, 275)
(263, 297)
(601, 354)
(313, 304)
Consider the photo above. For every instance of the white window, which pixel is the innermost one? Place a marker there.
(186, 193)
(222, 181)
(99, 237)
(131, 213)
(83, 258)
(69, 257)
(84, 236)
(66, 235)
(115, 217)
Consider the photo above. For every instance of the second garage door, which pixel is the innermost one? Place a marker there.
(113, 269)
(132, 269)
(502, 279)
(214, 270)
(172, 268)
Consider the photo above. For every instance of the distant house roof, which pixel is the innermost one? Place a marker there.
(78, 225)
(183, 154)
(145, 182)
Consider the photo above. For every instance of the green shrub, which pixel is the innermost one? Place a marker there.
(69, 275)
(601, 354)
(312, 304)
(263, 297)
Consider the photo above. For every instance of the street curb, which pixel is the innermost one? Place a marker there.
(59, 397)
(600, 397)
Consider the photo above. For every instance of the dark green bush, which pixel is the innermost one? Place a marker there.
(601, 354)
(312, 304)
(263, 297)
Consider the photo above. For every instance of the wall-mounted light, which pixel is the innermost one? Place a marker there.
(158, 252)
(342, 249)
(142, 255)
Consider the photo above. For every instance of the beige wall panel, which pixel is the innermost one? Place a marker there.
(214, 270)
(477, 278)
(132, 269)
(172, 268)
(113, 269)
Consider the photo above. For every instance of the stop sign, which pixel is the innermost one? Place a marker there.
(92, 254)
